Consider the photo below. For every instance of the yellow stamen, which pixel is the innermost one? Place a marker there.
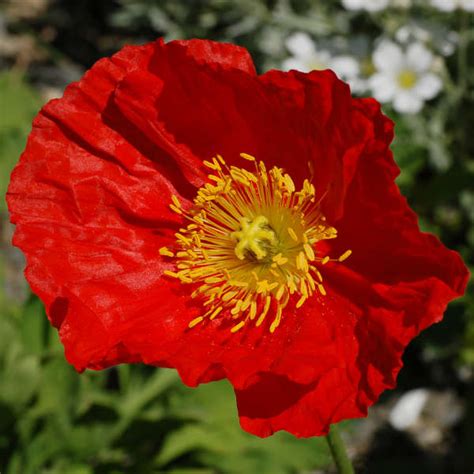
(248, 157)
(166, 252)
(195, 322)
(251, 244)
(407, 79)
(176, 201)
(237, 327)
(292, 234)
(345, 255)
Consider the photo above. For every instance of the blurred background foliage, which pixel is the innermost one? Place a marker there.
(136, 419)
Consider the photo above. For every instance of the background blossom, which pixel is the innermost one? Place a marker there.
(369, 5)
(404, 78)
(306, 57)
(451, 5)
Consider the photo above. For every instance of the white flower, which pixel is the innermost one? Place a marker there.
(348, 69)
(451, 5)
(408, 409)
(305, 57)
(404, 78)
(369, 5)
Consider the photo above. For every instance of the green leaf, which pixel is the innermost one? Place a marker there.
(34, 326)
(18, 105)
(217, 439)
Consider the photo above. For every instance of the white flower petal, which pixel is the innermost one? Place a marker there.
(403, 33)
(408, 409)
(467, 5)
(388, 57)
(301, 45)
(321, 59)
(419, 58)
(383, 87)
(407, 102)
(444, 5)
(357, 85)
(369, 5)
(428, 86)
(295, 63)
(345, 67)
(352, 4)
(376, 5)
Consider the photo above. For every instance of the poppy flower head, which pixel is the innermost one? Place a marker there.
(177, 209)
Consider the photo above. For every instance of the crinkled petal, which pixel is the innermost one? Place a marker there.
(90, 196)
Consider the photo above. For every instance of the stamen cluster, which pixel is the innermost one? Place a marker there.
(250, 243)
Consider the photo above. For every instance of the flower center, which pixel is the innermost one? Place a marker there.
(256, 240)
(251, 244)
(407, 79)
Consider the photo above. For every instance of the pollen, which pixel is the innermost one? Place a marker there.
(250, 248)
(407, 79)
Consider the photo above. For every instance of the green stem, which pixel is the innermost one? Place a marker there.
(338, 451)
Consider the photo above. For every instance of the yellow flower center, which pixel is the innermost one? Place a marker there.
(255, 239)
(407, 79)
(250, 244)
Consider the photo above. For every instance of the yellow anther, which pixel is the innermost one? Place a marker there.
(289, 183)
(228, 296)
(279, 259)
(280, 292)
(301, 301)
(213, 166)
(248, 157)
(301, 262)
(171, 274)
(325, 260)
(266, 307)
(182, 238)
(321, 289)
(303, 288)
(236, 309)
(253, 310)
(242, 284)
(175, 209)
(166, 252)
(215, 312)
(276, 321)
(195, 322)
(237, 327)
(345, 255)
(308, 250)
(292, 234)
(176, 201)
(211, 280)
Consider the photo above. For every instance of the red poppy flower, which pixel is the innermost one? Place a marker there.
(178, 209)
